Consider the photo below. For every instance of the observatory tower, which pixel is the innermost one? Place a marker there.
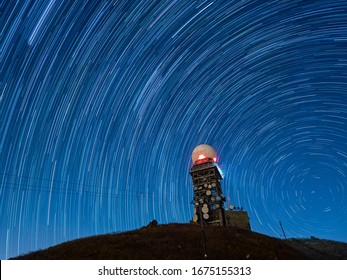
(208, 198)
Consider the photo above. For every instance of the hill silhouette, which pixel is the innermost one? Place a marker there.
(185, 241)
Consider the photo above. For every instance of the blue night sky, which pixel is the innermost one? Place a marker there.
(102, 103)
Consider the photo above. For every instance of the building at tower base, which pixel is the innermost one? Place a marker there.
(238, 219)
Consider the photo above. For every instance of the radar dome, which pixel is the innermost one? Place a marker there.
(202, 152)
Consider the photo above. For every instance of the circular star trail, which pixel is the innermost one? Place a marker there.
(102, 103)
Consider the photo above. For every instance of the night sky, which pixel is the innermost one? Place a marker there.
(102, 103)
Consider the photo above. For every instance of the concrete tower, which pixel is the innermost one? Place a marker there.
(208, 197)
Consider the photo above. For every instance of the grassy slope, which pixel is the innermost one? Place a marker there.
(184, 241)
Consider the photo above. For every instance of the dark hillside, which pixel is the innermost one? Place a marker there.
(185, 241)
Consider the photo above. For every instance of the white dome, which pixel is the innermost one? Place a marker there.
(203, 151)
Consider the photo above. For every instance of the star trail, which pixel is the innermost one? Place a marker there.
(102, 103)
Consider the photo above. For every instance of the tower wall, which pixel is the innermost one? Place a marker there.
(208, 197)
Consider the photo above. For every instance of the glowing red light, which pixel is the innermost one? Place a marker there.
(215, 159)
(201, 156)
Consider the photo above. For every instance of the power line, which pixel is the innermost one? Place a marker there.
(37, 188)
(134, 194)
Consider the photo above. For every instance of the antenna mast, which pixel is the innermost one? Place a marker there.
(285, 237)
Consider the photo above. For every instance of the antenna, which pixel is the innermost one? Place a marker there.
(285, 237)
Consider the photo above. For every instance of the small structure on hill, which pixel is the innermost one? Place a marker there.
(208, 196)
(237, 218)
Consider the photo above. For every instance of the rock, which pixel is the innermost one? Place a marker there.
(153, 223)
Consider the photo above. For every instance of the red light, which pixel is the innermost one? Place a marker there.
(215, 159)
(201, 157)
